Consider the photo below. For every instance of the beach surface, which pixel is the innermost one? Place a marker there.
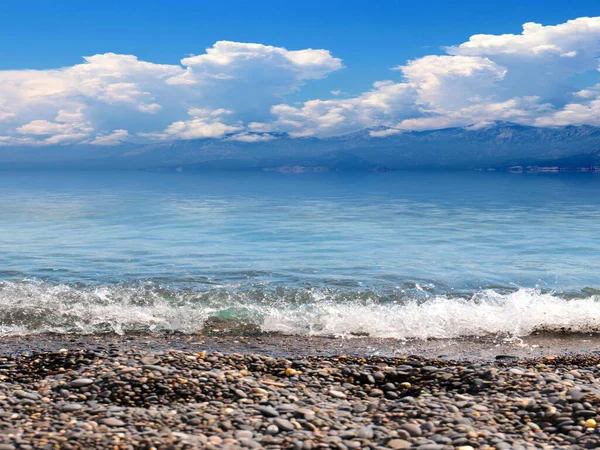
(269, 391)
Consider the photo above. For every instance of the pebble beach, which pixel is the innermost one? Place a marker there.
(126, 395)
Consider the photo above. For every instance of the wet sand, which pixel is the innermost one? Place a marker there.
(276, 345)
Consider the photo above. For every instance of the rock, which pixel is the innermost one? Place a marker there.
(412, 429)
(398, 444)
(240, 393)
(427, 427)
(267, 411)
(337, 394)
(81, 382)
(575, 394)
(272, 429)
(590, 423)
(244, 434)
(502, 446)
(27, 395)
(112, 422)
(161, 369)
(283, 424)
(365, 433)
(70, 407)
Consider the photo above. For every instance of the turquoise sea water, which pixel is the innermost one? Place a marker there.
(396, 254)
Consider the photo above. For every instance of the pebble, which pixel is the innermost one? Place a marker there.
(365, 433)
(70, 407)
(27, 395)
(112, 422)
(123, 397)
(283, 424)
(337, 394)
(412, 429)
(268, 411)
(81, 382)
(244, 434)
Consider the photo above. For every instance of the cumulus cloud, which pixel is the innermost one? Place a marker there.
(583, 109)
(522, 78)
(68, 126)
(111, 90)
(237, 91)
(203, 123)
(569, 39)
(113, 138)
(384, 104)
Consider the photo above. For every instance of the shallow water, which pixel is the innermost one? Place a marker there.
(398, 254)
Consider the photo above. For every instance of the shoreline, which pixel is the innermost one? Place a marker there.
(280, 345)
(229, 392)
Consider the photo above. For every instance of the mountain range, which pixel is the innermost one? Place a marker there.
(500, 145)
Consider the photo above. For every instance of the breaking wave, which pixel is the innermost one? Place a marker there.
(32, 307)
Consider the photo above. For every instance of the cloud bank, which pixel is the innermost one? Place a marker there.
(237, 91)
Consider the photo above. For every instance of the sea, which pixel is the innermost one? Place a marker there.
(400, 254)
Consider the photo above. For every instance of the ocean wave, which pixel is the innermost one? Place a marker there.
(32, 307)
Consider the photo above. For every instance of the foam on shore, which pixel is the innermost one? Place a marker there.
(30, 307)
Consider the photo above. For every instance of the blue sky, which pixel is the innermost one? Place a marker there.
(368, 38)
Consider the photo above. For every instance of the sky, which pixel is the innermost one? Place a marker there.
(106, 72)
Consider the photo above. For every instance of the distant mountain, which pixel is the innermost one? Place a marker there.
(499, 145)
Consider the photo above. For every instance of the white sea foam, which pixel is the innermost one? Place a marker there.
(33, 307)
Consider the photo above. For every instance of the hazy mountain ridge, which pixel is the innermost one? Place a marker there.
(498, 145)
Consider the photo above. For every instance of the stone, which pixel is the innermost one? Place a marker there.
(27, 395)
(70, 407)
(412, 429)
(590, 423)
(283, 424)
(398, 444)
(337, 394)
(272, 429)
(244, 434)
(268, 411)
(81, 382)
(112, 422)
(365, 433)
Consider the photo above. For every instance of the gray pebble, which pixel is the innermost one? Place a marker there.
(81, 382)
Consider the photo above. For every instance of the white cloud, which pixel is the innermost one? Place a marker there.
(521, 78)
(68, 126)
(114, 138)
(565, 40)
(251, 137)
(203, 124)
(384, 133)
(227, 60)
(117, 91)
(238, 91)
(384, 104)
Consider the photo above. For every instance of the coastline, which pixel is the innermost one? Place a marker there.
(280, 345)
(270, 391)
